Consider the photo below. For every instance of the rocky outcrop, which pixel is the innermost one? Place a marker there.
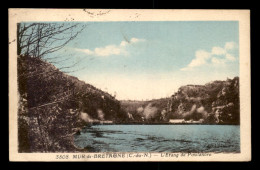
(214, 102)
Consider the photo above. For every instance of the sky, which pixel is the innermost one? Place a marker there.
(150, 60)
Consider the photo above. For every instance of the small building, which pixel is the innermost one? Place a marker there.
(106, 122)
(188, 121)
(195, 121)
(176, 121)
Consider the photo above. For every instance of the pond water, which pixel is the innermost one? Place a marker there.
(159, 138)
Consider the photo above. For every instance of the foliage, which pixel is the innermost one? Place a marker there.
(216, 102)
(50, 106)
(220, 99)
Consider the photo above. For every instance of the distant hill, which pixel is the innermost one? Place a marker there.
(216, 102)
(149, 110)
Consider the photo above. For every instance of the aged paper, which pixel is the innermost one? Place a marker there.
(129, 85)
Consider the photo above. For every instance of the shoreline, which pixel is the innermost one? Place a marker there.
(94, 124)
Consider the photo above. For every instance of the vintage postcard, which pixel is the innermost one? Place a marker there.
(129, 85)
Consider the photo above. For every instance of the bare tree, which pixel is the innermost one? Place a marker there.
(40, 39)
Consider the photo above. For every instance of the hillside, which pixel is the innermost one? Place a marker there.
(54, 105)
(148, 111)
(216, 102)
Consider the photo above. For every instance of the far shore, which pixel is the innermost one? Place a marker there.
(140, 123)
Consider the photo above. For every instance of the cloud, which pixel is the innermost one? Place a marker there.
(135, 40)
(217, 61)
(230, 45)
(230, 57)
(123, 43)
(132, 41)
(218, 51)
(201, 57)
(111, 49)
(217, 56)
